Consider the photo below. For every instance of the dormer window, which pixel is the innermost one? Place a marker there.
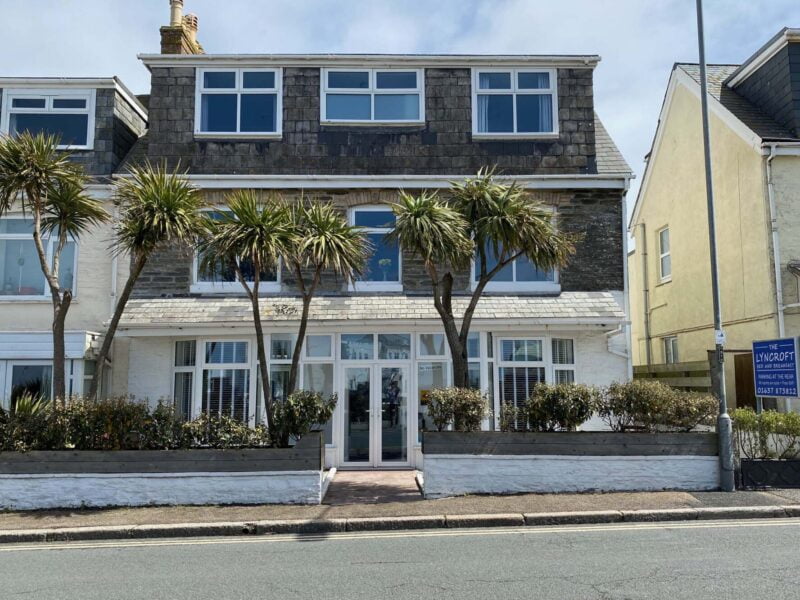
(67, 114)
(368, 96)
(238, 102)
(514, 103)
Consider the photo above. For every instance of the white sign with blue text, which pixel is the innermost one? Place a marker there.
(775, 368)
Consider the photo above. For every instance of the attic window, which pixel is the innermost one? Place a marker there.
(388, 96)
(238, 102)
(67, 114)
(514, 103)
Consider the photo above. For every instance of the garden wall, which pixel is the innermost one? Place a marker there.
(71, 479)
(490, 462)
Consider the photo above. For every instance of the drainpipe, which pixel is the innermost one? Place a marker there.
(625, 284)
(646, 293)
(776, 248)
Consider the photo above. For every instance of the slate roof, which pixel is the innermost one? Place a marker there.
(566, 308)
(748, 113)
(609, 158)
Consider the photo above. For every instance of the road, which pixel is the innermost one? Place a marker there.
(743, 559)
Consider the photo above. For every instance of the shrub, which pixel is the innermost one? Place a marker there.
(215, 431)
(560, 407)
(463, 408)
(767, 435)
(300, 413)
(509, 417)
(649, 405)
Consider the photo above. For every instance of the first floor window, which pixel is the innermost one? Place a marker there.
(383, 265)
(20, 269)
(664, 255)
(68, 115)
(671, 349)
(239, 101)
(226, 380)
(514, 102)
(519, 273)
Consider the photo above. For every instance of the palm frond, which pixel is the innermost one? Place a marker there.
(157, 206)
(29, 165)
(325, 240)
(70, 209)
(429, 227)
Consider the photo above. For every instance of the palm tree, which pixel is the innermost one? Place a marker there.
(256, 232)
(325, 242)
(482, 220)
(34, 173)
(157, 207)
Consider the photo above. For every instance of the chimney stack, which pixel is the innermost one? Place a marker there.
(180, 36)
(175, 13)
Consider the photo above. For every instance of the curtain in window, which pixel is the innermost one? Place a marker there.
(483, 113)
(545, 113)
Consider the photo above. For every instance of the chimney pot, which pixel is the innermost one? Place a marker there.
(175, 13)
(190, 25)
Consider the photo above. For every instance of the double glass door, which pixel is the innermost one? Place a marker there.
(376, 415)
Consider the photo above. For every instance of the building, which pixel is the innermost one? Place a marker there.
(755, 141)
(98, 120)
(354, 130)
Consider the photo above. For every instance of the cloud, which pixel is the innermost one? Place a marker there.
(638, 40)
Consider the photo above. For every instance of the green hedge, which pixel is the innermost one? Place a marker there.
(767, 435)
(124, 424)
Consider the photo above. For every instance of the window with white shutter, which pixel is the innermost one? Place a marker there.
(226, 380)
(563, 361)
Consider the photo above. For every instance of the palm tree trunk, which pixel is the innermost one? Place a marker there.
(301, 333)
(112, 326)
(443, 301)
(60, 308)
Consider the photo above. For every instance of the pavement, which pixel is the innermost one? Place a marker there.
(692, 560)
(390, 500)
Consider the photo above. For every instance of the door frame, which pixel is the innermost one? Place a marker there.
(376, 413)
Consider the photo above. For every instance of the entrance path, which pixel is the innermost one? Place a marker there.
(372, 487)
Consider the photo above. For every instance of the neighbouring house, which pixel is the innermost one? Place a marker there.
(354, 130)
(98, 121)
(755, 142)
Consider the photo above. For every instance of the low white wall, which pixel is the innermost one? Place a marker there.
(29, 492)
(458, 474)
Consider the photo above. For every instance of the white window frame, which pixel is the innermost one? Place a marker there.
(239, 90)
(564, 366)
(5, 396)
(49, 244)
(371, 91)
(515, 91)
(229, 287)
(661, 255)
(202, 366)
(671, 351)
(377, 286)
(90, 95)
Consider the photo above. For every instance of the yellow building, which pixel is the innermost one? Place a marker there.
(755, 142)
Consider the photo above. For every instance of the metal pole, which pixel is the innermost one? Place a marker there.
(724, 428)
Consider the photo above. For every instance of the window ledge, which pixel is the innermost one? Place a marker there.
(374, 123)
(664, 281)
(522, 288)
(515, 136)
(31, 299)
(376, 286)
(237, 136)
(232, 288)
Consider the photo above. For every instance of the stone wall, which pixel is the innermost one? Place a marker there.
(444, 145)
(594, 215)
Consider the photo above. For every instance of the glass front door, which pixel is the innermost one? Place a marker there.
(376, 415)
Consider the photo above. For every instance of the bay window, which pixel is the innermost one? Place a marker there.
(514, 103)
(239, 102)
(372, 96)
(21, 274)
(384, 266)
(66, 114)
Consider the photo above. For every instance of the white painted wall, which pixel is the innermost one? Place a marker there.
(457, 475)
(31, 492)
(149, 368)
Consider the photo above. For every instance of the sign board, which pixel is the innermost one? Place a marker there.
(775, 368)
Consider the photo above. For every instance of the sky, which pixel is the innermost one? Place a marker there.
(638, 40)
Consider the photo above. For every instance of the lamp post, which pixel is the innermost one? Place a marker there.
(724, 426)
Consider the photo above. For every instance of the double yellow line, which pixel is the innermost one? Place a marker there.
(373, 535)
